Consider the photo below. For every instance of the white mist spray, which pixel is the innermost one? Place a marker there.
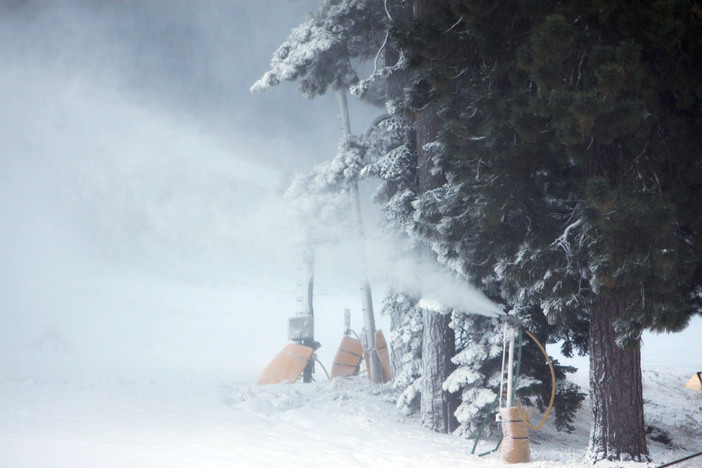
(436, 286)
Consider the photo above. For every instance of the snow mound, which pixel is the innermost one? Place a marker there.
(343, 422)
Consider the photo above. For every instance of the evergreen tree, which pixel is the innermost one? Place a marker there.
(572, 163)
(396, 168)
(476, 378)
(423, 47)
(438, 342)
(406, 345)
(320, 54)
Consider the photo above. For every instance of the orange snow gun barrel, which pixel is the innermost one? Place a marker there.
(348, 358)
(695, 382)
(288, 365)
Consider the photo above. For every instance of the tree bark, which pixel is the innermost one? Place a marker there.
(438, 346)
(616, 393)
(438, 341)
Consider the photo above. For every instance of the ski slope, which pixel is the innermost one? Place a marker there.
(193, 419)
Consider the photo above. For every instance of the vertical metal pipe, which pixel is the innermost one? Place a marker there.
(307, 305)
(366, 297)
(308, 280)
(510, 369)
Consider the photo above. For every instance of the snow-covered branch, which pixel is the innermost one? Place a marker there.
(318, 53)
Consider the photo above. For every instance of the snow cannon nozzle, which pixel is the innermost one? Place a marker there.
(512, 320)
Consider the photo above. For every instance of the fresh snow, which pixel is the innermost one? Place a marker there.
(210, 420)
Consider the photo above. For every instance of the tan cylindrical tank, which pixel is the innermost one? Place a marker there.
(515, 443)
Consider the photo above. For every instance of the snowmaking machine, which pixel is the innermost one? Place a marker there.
(353, 351)
(296, 360)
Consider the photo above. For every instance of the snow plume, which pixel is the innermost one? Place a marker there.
(136, 235)
(120, 222)
(320, 215)
(324, 219)
(438, 288)
(316, 216)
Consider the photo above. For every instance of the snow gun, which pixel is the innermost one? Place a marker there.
(296, 361)
(513, 444)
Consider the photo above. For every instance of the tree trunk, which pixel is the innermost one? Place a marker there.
(438, 342)
(618, 430)
(395, 89)
(438, 346)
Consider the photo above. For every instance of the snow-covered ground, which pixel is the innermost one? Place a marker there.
(210, 420)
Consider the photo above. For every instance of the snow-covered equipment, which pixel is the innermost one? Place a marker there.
(297, 359)
(373, 363)
(348, 358)
(515, 437)
(353, 352)
(515, 431)
(695, 382)
(301, 328)
(514, 441)
(515, 421)
(288, 365)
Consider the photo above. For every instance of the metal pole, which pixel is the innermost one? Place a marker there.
(366, 297)
(307, 308)
(510, 369)
(308, 280)
(680, 460)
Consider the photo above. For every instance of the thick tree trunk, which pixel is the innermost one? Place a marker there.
(618, 431)
(395, 89)
(438, 346)
(438, 342)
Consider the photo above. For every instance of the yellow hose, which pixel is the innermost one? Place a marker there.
(553, 388)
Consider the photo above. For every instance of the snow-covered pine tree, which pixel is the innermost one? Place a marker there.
(396, 169)
(423, 40)
(406, 345)
(391, 143)
(438, 342)
(477, 376)
(572, 161)
(320, 53)
(318, 202)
